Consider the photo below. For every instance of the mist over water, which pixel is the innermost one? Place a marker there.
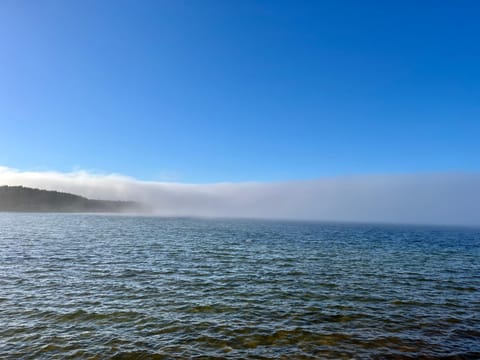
(93, 286)
(449, 198)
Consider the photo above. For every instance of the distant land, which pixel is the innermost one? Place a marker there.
(24, 199)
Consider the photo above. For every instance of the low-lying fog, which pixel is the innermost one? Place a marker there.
(446, 198)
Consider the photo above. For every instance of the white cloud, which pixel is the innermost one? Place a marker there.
(450, 198)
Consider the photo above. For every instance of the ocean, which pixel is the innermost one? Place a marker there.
(87, 286)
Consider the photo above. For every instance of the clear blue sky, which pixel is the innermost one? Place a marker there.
(205, 91)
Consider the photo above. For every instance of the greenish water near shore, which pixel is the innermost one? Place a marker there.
(93, 286)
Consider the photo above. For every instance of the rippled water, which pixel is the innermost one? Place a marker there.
(90, 286)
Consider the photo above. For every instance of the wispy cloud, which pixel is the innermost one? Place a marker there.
(449, 198)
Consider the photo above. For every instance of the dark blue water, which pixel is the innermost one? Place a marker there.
(100, 287)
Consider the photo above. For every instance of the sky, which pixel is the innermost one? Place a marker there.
(213, 91)
(210, 94)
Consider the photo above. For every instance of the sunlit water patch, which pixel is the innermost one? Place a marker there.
(90, 286)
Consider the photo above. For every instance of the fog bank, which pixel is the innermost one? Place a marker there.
(446, 198)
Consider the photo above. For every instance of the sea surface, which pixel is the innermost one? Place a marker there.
(121, 287)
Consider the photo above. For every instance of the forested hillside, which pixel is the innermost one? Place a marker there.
(19, 198)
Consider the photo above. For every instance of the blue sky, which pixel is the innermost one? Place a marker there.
(209, 91)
